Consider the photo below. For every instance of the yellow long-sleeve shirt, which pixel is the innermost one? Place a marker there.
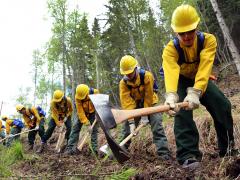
(130, 97)
(85, 107)
(1, 126)
(61, 110)
(198, 71)
(9, 124)
(31, 117)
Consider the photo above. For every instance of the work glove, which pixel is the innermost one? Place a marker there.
(37, 127)
(132, 127)
(144, 120)
(171, 100)
(192, 98)
(65, 119)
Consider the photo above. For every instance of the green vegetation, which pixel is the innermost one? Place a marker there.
(9, 156)
(123, 175)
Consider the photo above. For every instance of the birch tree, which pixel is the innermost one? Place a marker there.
(225, 30)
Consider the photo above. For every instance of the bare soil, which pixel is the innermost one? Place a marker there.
(51, 165)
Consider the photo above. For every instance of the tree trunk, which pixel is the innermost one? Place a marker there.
(232, 48)
(95, 56)
(131, 38)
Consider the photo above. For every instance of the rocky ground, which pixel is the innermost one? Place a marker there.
(51, 165)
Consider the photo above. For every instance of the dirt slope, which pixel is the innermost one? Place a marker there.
(58, 166)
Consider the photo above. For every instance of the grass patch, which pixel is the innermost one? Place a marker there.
(9, 156)
(122, 175)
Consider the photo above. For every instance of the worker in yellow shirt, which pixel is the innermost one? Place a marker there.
(13, 127)
(61, 113)
(85, 116)
(138, 90)
(33, 119)
(187, 65)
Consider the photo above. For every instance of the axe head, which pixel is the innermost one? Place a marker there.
(106, 120)
(102, 107)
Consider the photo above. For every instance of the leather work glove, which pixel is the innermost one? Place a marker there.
(65, 119)
(171, 100)
(37, 127)
(132, 127)
(144, 120)
(192, 98)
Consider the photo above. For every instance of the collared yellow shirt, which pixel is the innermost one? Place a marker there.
(85, 107)
(9, 124)
(130, 97)
(198, 71)
(31, 117)
(61, 110)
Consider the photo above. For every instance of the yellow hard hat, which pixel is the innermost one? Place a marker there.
(4, 118)
(127, 64)
(185, 18)
(19, 107)
(58, 95)
(82, 91)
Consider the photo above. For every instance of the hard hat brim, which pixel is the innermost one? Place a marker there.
(79, 97)
(185, 28)
(126, 72)
(58, 100)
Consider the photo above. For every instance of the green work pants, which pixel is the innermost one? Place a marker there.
(185, 130)
(159, 138)
(51, 127)
(32, 134)
(74, 136)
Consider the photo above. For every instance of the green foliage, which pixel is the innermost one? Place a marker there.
(123, 175)
(131, 27)
(23, 96)
(9, 156)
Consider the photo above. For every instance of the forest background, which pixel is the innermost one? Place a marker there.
(81, 53)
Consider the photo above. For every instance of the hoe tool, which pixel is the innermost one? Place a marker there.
(61, 138)
(104, 148)
(84, 139)
(109, 118)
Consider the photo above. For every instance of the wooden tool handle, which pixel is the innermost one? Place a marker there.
(122, 115)
(132, 134)
(13, 135)
(124, 141)
(86, 136)
(60, 138)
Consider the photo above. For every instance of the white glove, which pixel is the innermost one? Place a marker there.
(192, 98)
(171, 100)
(144, 120)
(37, 127)
(65, 119)
(132, 128)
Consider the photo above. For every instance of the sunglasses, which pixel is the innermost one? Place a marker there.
(188, 32)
